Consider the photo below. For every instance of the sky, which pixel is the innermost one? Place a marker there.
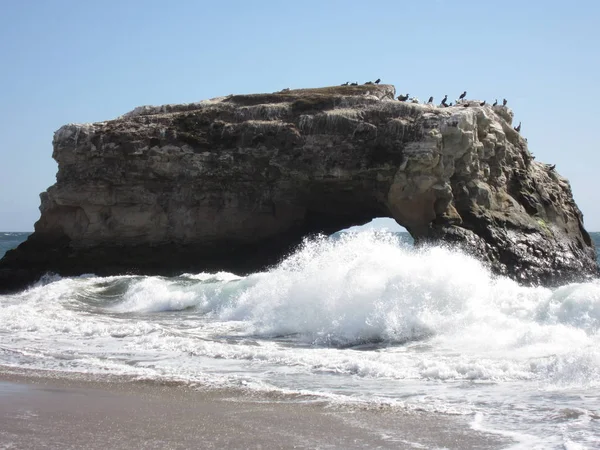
(72, 61)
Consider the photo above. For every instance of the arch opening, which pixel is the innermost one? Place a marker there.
(378, 223)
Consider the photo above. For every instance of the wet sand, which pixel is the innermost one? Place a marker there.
(59, 413)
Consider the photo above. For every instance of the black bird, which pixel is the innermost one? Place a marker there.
(450, 104)
(345, 84)
(444, 100)
(377, 80)
(369, 82)
(430, 100)
(518, 128)
(504, 102)
(552, 167)
(465, 105)
(495, 103)
(482, 103)
(403, 98)
(463, 95)
(354, 84)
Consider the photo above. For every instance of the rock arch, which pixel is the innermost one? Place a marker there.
(234, 183)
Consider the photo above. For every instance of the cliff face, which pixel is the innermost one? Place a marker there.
(234, 183)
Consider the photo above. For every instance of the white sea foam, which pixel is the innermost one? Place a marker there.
(219, 276)
(359, 317)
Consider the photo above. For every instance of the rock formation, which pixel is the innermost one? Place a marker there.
(234, 183)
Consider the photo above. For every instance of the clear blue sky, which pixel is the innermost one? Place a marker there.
(79, 61)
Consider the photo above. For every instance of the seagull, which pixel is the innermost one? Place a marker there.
(495, 103)
(463, 95)
(518, 128)
(377, 80)
(504, 102)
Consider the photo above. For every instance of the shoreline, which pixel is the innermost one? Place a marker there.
(56, 412)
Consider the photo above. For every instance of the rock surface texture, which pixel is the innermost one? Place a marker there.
(234, 183)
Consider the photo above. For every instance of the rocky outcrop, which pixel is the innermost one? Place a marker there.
(234, 183)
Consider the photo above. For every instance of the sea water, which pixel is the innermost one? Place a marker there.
(10, 240)
(357, 318)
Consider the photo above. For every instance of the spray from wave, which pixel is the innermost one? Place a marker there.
(428, 313)
(363, 315)
(372, 288)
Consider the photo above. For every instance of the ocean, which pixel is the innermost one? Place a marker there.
(360, 319)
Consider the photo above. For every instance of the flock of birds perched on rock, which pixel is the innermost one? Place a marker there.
(347, 83)
(444, 104)
(461, 100)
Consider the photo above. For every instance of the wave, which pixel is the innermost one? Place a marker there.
(369, 287)
(427, 313)
(360, 317)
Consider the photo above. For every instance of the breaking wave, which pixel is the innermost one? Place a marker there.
(336, 316)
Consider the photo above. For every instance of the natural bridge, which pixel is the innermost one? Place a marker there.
(234, 183)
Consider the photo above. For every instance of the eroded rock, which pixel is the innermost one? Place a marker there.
(234, 183)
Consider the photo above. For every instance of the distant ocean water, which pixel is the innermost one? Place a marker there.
(9, 240)
(362, 319)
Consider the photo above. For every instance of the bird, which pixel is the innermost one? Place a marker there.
(403, 98)
(378, 80)
(345, 84)
(465, 105)
(444, 100)
(285, 90)
(450, 104)
(482, 103)
(518, 128)
(430, 100)
(369, 82)
(414, 100)
(552, 167)
(504, 102)
(495, 103)
(354, 84)
(463, 95)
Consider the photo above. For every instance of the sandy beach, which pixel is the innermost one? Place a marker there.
(38, 412)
